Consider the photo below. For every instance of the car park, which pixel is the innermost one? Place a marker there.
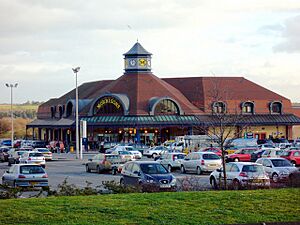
(25, 175)
(14, 157)
(243, 155)
(33, 157)
(240, 175)
(104, 162)
(199, 162)
(147, 175)
(154, 151)
(171, 160)
(293, 156)
(278, 169)
(46, 153)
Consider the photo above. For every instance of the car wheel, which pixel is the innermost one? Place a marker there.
(45, 188)
(275, 177)
(114, 171)
(213, 183)
(9, 164)
(182, 169)
(87, 169)
(236, 185)
(236, 159)
(170, 168)
(154, 155)
(14, 184)
(199, 171)
(98, 169)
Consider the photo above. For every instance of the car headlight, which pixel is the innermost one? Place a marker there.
(173, 182)
(150, 181)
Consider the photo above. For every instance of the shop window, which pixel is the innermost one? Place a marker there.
(248, 108)
(219, 107)
(108, 106)
(276, 107)
(69, 109)
(166, 106)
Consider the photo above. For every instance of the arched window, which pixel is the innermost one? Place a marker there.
(276, 107)
(60, 111)
(166, 106)
(69, 109)
(248, 108)
(219, 107)
(108, 105)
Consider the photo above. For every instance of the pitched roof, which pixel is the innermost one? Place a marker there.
(137, 49)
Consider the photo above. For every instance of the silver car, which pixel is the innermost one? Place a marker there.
(25, 175)
(199, 162)
(33, 157)
(277, 168)
(171, 160)
(239, 175)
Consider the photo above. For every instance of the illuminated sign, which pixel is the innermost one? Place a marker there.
(108, 100)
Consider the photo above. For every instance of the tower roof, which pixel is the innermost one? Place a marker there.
(137, 49)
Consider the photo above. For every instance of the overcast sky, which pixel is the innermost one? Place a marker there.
(41, 40)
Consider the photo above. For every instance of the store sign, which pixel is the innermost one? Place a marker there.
(108, 100)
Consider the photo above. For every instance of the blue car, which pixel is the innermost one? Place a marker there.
(6, 142)
(148, 175)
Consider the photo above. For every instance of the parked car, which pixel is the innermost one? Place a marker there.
(6, 142)
(104, 162)
(139, 147)
(46, 153)
(154, 151)
(33, 157)
(293, 156)
(243, 155)
(240, 175)
(277, 168)
(199, 162)
(137, 154)
(4, 153)
(125, 155)
(256, 155)
(38, 144)
(171, 160)
(14, 157)
(179, 146)
(217, 151)
(25, 175)
(147, 175)
(267, 146)
(272, 153)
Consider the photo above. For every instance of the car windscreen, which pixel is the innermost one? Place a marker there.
(20, 153)
(35, 154)
(43, 150)
(179, 156)
(210, 156)
(124, 153)
(281, 163)
(253, 169)
(129, 148)
(153, 169)
(31, 169)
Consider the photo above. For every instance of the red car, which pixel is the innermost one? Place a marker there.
(217, 151)
(293, 156)
(243, 155)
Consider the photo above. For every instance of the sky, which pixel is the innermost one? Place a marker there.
(42, 40)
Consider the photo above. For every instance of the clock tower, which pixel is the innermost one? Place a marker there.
(137, 59)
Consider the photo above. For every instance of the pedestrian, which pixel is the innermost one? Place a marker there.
(57, 145)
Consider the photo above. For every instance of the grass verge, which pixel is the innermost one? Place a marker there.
(210, 207)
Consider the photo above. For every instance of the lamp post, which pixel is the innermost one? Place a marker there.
(11, 86)
(76, 70)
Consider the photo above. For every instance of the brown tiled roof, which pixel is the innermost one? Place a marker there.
(141, 87)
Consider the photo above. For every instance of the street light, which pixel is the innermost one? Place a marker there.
(11, 86)
(76, 70)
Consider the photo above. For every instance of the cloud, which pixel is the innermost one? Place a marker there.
(290, 34)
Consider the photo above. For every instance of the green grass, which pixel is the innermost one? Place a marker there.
(211, 207)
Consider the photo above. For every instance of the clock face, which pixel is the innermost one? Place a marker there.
(132, 62)
(142, 62)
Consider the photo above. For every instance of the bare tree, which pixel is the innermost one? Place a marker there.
(224, 122)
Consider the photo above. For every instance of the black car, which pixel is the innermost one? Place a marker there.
(256, 155)
(38, 144)
(148, 175)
